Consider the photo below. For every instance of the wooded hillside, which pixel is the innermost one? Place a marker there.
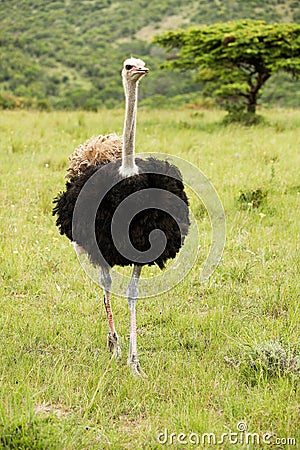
(67, 54)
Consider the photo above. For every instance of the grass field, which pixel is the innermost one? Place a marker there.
(220, 356)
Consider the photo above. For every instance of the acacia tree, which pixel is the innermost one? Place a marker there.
(235, 59)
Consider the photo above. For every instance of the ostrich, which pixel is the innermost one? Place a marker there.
(156, 179)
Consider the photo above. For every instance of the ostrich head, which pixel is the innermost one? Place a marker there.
(133, 70)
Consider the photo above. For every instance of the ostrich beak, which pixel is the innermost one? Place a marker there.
(140, 71)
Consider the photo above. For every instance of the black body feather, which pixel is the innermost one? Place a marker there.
(160, 178)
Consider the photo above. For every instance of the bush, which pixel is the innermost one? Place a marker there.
(244, 118)
(265, 360)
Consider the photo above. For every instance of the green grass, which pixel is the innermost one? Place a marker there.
(216, 354)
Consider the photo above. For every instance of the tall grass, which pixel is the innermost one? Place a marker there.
(216, 354)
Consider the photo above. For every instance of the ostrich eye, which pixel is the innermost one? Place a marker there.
(128, 67)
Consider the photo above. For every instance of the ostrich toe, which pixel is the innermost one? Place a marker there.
(135, 367)
(113, 344)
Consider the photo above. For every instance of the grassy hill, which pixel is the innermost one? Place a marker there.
(67, 53)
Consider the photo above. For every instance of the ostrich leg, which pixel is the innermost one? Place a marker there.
(112, 337)
(132, 296)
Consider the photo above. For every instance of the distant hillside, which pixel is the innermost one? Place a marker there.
(68, 53)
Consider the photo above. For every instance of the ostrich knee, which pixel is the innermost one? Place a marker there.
(105, 279)
(132, 292)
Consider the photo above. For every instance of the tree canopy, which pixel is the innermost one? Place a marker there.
(235, 59)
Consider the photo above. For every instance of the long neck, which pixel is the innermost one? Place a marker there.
(128, 164)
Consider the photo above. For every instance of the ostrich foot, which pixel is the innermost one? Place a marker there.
(135, 367)
(113, 345)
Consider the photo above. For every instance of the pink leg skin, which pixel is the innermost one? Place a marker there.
(109, 312)
(112, 338)
(132, 295)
